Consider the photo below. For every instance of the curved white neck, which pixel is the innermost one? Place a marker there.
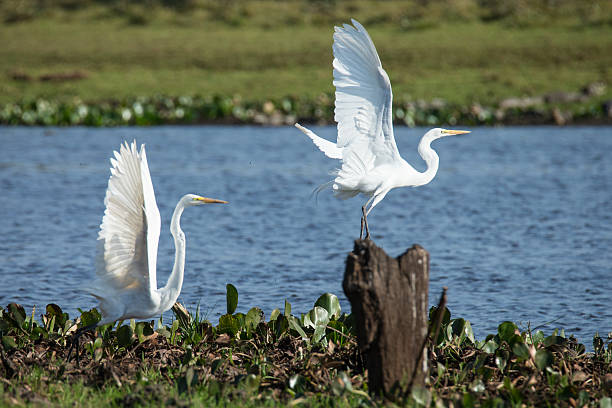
(170, 292)
(431, 158)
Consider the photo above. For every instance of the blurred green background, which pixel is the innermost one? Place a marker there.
(462, 51)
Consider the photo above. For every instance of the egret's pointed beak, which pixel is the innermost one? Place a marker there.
(455, 132)
(206, 200)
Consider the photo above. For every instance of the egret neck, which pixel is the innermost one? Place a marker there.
(171, 291)
(431, 159)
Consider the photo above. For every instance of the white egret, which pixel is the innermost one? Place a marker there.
(371, 163)
(126, 263)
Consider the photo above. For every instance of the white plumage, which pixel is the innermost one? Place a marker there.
(371, 163)
(126, 263)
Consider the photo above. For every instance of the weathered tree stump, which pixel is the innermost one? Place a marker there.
(389, 303)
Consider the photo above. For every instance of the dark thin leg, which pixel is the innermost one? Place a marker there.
(364, 221)
(75, 340)
(361, 230)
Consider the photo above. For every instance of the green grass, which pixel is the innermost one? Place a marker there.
(263, 49)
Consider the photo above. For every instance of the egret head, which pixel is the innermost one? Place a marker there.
(438, 133)
(193, 199)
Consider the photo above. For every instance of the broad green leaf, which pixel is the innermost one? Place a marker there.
(281, 324)
(460, 328)
(17, 312)
(500, 362)
(90, 318)
(54, 310)
(39, 332)
(506, 331)
(520, 350)
(307, 322)
(143, 329)
(318, 316)
(538, 337)
(330, 303)
(294, 324)
(231, 298)
(468, 332)
(253, 317)
(550, 340)
(97, 343)
(229, 324)
(8, 342)
(274, 315)
(240, 317)
(490, 347)
(319, 333)
(287, 308)
(605, 402)
(543, 359)
(446, 317)
(124, 335)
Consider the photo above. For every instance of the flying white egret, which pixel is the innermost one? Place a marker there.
(371, 163)
(126, 283)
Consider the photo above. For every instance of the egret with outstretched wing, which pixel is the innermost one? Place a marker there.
(126, 264)
(371, 163)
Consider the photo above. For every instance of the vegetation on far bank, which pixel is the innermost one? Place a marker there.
(309, 359)
(460, 54)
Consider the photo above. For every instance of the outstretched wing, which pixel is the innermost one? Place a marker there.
(328, 148)
(129, 233)
(363, 98)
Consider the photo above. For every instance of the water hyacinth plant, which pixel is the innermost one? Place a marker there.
(158, 110)
(309, 358)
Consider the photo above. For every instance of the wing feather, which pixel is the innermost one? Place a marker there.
(129, 233)
(328, 148)
(363, 99)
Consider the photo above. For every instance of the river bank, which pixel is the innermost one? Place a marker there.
(582, 107)
(288, 359)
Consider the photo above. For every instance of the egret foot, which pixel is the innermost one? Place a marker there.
(75, 340)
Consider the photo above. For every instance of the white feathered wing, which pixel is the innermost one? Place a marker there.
(128, 238)
(363, 111)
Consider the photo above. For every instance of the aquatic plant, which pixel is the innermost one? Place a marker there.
(218, 109)
(309, 358)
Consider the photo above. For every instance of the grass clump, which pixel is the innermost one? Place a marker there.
(288, 359)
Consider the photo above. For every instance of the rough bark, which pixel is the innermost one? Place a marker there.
(389, 303)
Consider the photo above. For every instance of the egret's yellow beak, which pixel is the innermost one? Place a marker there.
(207, 200)
(454, 132)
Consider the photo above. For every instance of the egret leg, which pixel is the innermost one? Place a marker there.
(364, 221)
(75, 341)
(361, 230)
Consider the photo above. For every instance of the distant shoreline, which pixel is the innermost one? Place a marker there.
(224, 110)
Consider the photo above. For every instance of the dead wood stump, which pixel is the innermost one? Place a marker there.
(389, 303)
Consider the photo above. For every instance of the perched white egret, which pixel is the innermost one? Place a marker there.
(126, 283)
(371, 163)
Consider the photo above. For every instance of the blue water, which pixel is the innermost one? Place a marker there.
(518, 221)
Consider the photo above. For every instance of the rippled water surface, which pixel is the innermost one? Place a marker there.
(518, 221)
